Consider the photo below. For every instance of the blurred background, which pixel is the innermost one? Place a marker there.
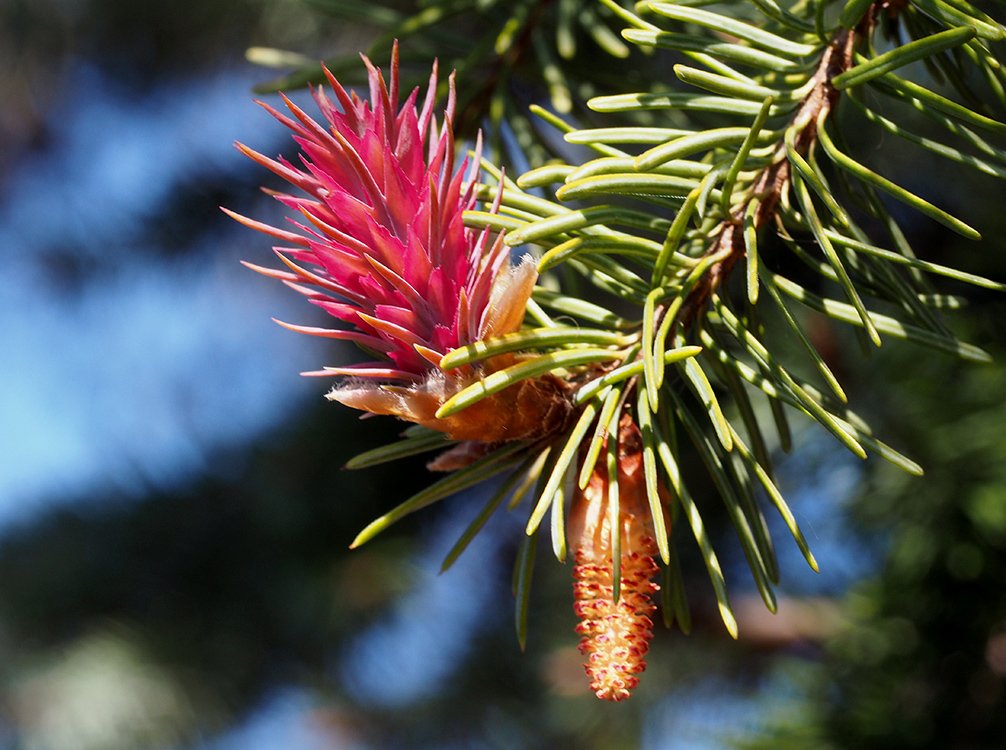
(174, 518)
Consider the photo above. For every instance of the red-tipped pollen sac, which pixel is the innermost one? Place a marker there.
(616, 635)
(377, 241)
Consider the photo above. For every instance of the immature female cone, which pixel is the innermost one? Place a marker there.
(616, 634)
(384, 249)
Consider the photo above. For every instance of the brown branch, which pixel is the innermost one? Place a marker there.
(773, 180)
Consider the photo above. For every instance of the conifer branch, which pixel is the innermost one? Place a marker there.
(526, 370)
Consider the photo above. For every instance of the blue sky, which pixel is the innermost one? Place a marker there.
(152, 361)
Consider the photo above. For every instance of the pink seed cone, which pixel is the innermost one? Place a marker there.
(378, 242)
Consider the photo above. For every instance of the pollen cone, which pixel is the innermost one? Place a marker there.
(616, 635)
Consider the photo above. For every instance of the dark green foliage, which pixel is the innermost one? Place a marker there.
(920, 663)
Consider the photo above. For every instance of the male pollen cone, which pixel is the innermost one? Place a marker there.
(616, 635)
